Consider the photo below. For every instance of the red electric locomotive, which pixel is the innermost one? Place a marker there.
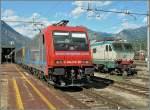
(61, 54)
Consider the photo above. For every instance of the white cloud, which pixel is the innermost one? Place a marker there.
(79, 3)
(78, 11)
(145, 20)
(123, 15)
(26, 29)
(98, 17)
(127, 25)
(92, 3)
(114, 27)
(8, 12)
(90, 14)
(36, 15)
(61, 15)
(102, 3)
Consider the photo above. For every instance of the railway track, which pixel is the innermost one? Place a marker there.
(135, 91)
(88, 98)
(96, 100)
(75, 104)
(141, 64)
(129, 87)
(143, 78)
(84, 98)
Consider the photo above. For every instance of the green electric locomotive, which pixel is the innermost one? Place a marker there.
(113, 56)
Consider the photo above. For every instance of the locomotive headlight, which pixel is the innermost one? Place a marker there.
(85, 62)
(131, 61)
(118, 61)
(58, 61)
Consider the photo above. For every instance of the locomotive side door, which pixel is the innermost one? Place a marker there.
(108, 55)
(42, 52)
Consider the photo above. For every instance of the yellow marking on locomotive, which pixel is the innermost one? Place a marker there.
(18, 96)
(50, 106)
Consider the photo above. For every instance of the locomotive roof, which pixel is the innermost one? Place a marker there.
(65, 28)
(106, 42)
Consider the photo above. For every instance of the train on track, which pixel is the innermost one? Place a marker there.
(113, 56)
(60, 54)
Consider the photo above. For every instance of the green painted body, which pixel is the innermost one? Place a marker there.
(107, 63)
(108, 58)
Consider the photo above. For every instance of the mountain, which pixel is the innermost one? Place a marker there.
(98, 35)
(138, 36)
(132, 34)
(8, 34)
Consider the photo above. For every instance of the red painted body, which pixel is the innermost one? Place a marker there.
(125, 62)
(61, 55)
(67, 58)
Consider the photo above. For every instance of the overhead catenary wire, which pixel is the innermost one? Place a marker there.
(33, 22)
(22, 21)
(126, 12)
(132, 14)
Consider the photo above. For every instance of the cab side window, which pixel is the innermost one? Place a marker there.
(110, 49)
(94, 50)
(43, 39)
(106, 48)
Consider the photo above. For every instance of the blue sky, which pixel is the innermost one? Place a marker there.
(54, 11)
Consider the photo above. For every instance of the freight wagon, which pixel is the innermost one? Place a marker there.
(60, 54)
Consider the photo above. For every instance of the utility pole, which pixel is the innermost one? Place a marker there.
(11, 43)
(0, 40)
(148, 38)
(148, 43)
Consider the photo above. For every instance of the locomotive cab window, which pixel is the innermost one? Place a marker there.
(43, 39)
(110, 49)
(61, 37)
(67, 41)
(117, 46)
(79, 37)
(122, 46)
(106, 48)
(128, 47)
(94, 50)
